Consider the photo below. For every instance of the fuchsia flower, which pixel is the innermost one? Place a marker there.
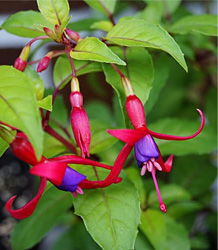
(147, 154)
(80, 123)
(62, 176)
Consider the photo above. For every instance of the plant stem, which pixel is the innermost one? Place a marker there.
(36, 39)
(71, 61)
(53, 133)
(118, 70)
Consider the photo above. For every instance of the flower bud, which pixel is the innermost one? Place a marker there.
(21, 62)
(80, 123)
(44, 62)
(135, 111)
(49, 33)
(73, 35)
(23, 150)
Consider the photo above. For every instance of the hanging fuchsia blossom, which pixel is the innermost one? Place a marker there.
(62, 176)
(80, 123)
(147, 154)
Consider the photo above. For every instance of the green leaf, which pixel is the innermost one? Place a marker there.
(101, 119)
(25, 24)
(170, 193)
(204, 143)
(161, 74)
(82, 25)
(75, 238)
(102, 25)
(52, 147)
(113, 210)
(195, 174)
(163, 232)
(51, 206)
(183, 208)
(3, 146)
(211, 107)
(142, 243)
(200, 242)
(101, 141)
(134, 175)
(55, 11)
(46, 103)
(140, 72)
(204, 24)
(153, 225)
(104, 6)
(62, 70)
(177, 236)
(168, 6)
(36, 81)
(93, 49)
(19, 105)
(155, 10)
(139, 33)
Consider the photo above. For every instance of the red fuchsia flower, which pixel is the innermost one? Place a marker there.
(147, 153)
(80, 123)
(62, 176)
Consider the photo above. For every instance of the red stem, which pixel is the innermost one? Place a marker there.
(53, 133)
(118, 70)
(36, 39)
(71, 61)
(72, 159)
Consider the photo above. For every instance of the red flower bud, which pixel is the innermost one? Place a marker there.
(80, 123)
(73, 35)
(49, 32)
(23, 149)
(135, 111)
(43, 64)
(20, 64)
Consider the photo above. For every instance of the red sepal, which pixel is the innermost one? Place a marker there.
(179, 138)
(113, 176)
(129, 136)
(29, 208)
(53, 171)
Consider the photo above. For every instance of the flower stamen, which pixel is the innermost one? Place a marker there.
(162, 206)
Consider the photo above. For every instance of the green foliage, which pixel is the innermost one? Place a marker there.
(163, 232)
(107, 210)
(55, 11)
(30, 231)
(36, 81)
(26, 24)
(19, 105)
(46, 103)
(3, 146)
(139, 33)
(104, 6)
(140, 72)
(204, 24)
(62, 70)
(204, 143)
(93, 49)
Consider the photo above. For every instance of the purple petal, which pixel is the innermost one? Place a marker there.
(146, 149)
(71, 180)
